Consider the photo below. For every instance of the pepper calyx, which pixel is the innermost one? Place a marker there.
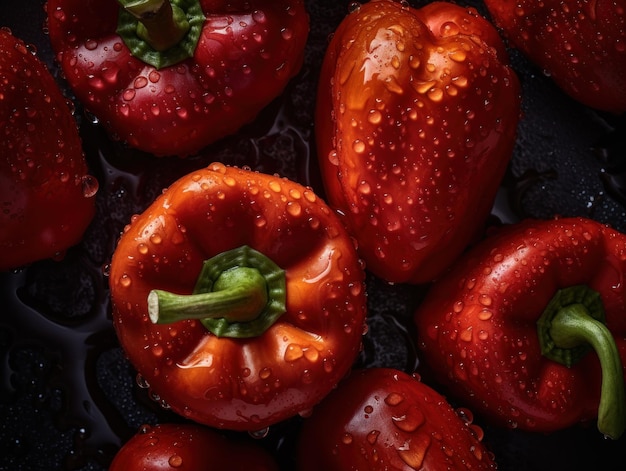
(239, 293)
(572, 325)
(160, 32)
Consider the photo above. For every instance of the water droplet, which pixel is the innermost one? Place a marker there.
(142, 382)
(375, 117)
(259, 16)
(294, 208)
(259, 434)
(393, 399)
(466, 335)
(293, 352)
(154, 76)
(140, 82)
(414, 455)
(125, 280)
(410, 422)
(175, 461)
(354, 7)
(89, 186)
(129, 94)
(265, 373)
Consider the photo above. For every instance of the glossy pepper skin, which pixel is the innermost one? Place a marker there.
(192, 447)
(416, 120)
(383, 419)
(579, 44)
(483, 332)
(244, 54)
(238, 375)
(46, 192)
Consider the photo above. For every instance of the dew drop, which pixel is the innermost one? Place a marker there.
(375, 117)
(294, 208)
(259, 16)
(142, 382)
(449, 28)
(414, 455)
(125, 280)
(364, 188)
(410, 422)
(140, 82)
(129, 94)
(260, 434)
(293, 352)
(393, 399)
(354, 7)
(265, 373)
(154, 76)
(358, 146)
(175, 461)
(89, 186)
(91, 44)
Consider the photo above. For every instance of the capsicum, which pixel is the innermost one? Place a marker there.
(381, 419)
(172, 76)
(529, 326)
(238, 297)
(47, 195)
(416, 119)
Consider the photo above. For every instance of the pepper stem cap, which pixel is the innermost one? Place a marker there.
(160, 32)
(573, 324)
(239, 293)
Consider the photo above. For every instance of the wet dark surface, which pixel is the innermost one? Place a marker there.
(69, 399)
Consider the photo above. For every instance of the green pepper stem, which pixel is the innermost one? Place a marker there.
(239, 293)
(161, 24)
(575, 325)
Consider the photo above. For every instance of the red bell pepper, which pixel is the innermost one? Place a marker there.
(172, 76)
(255, 293)
(579, 44)
(383, 419)
(46, 192)
(529, 326)
(416, 121)
(191, 447)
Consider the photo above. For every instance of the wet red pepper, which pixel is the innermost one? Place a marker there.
(170, 77)
(238, 296)
(529, 326)
(381, 419)
(416, 119)
(578, 43)
(186, 446)
(46, 193)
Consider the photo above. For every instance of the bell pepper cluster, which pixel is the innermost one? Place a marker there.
(240, 297)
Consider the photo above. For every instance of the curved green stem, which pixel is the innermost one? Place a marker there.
(160, 32)
(572, 325)
(239, 293)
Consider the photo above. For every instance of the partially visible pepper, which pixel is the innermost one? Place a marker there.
(238, 296)
(47, 196)
(529, 327)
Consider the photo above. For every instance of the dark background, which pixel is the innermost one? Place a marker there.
(69, 399)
